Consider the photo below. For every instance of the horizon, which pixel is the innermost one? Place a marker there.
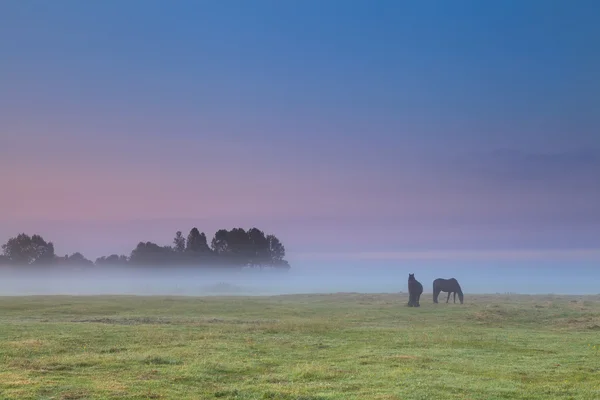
(388, 130)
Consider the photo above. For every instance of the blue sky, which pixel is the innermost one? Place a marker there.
(463, 124)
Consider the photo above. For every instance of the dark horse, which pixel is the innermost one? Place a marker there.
(414, 291)
(447, 285)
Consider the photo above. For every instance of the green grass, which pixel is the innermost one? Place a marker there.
(338, 346)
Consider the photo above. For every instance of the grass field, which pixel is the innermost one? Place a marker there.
(338, 346)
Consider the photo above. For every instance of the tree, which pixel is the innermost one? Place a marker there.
(236, 248)
(149, 253)
(18, 249)
(220, 243)
(196, 242)
(113, 259)
(179, 242)
(240, 246)
(44, 251)
(26, 250)
(260, 254)
(77, 259)
(233, 247)
(277, 252)
(251, 248)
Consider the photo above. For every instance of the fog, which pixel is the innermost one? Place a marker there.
(365, 277)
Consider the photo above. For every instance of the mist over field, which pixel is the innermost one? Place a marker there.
(573, 277)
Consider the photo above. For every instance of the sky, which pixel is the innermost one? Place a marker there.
(344, 127)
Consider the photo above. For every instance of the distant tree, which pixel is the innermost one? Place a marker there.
(220, 242)
(179, 242)
(233, 247)
(101, 260)
(149, 253)
(260, 254)
(249, 248)
(18, 249)
(76, 259)
(44, 251)
(203, 243)
(113, 259)
(236, 248)
(196, 242)
(24, 250)
(241, 248)
(276, 252)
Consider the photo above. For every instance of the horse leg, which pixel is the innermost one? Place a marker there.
(417, 300)
(454, 297)
(448, 299)
(436, 293)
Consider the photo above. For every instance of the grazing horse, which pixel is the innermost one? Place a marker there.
(447, 285)
(414, 291)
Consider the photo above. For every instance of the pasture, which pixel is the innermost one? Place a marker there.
(335, 346)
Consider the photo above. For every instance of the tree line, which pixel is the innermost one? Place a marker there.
(236, 248)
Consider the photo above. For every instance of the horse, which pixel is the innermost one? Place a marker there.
(414, 291)
(447, 285)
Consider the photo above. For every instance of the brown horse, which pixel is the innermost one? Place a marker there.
(415, 289)
(447, 285)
